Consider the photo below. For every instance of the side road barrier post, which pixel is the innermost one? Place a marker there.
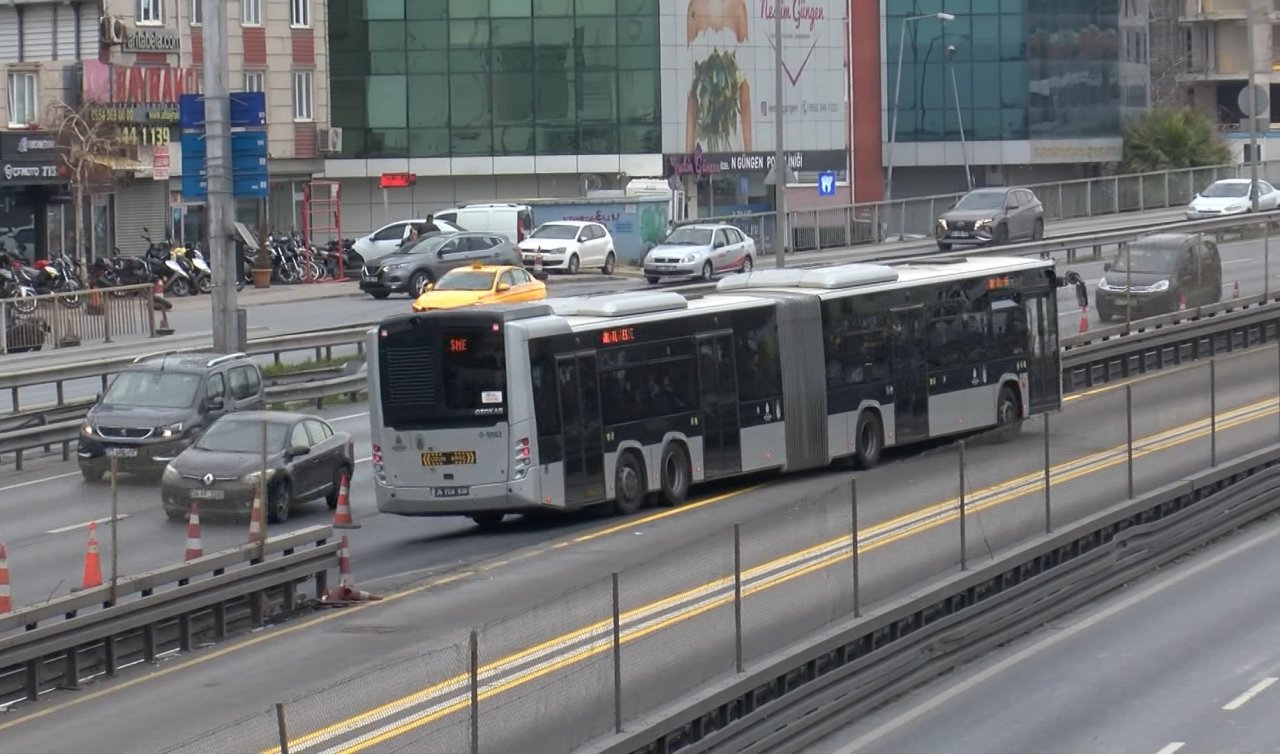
(474, 662)
(1213, 412)
(737, 596)
(1048, 480)
(1128, 445)
(853, 545)
(617, 656)
(964, 540)
(282, 728)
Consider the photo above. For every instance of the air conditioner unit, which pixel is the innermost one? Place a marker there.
(330, 140)
(113, 30)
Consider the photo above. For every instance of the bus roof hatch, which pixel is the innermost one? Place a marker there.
(840, 276)
(620, 304)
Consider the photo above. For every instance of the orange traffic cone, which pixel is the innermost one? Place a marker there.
(95, 300)
(92, 575)
(537, 262)
(255, 518)
(1084, 319)
(1182, 301)
(195, 547)
(342, 515)
(1235, 289)
(6, 601)
(346, 590)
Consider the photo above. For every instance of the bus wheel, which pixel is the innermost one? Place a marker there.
(868, 440)
(675, 474)
(488, 519)
(628, 485)
(1008, 416)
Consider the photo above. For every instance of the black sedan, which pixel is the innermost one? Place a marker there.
(306, 459)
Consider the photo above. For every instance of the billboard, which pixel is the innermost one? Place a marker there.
(718, 81)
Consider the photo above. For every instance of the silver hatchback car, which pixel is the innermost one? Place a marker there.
(702, 250)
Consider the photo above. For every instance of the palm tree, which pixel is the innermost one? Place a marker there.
(1168, 139)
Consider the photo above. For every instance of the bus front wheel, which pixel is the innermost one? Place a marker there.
(628, 485)
(1008, 416)
(868, 440)
(675, 474)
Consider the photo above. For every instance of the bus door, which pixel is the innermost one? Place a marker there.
(583, 430)
(1045, 367)
(718, 390)
(910, 373)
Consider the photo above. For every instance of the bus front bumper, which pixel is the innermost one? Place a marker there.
(508, 497)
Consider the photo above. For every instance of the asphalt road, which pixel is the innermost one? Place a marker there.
(676, 607)
(1185, 661)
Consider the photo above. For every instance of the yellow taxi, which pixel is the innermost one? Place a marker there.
(481, 284)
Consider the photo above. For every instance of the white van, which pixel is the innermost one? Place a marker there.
(515, 221)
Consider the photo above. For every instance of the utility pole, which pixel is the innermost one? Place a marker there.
(1250, 25)
(217, 126)
(779, 156)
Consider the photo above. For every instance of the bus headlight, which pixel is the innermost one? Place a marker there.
(523, 460)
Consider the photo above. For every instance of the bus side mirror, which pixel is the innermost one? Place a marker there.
(1082, 289)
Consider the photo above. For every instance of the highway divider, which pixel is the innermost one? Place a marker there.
(790, 700)
(63, 642)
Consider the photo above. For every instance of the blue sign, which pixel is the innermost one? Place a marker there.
(190, 111)
(251, 143)
(192, 146)
(826, 183)
(248, 109)
(194, 187)
(253, 186)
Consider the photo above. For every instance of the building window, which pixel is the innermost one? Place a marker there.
(150, 11)
(22, 99)
(302, 95)
(253, 81)
(197, 12)
(300, 13)
(251, 12)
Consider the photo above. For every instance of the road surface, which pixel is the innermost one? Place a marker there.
(673, 562)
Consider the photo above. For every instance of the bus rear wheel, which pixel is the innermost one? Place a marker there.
(868, 440)
(675, 474)
(1008, 416)
(488, 520)
(628, 485)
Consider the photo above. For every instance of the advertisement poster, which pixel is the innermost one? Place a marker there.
(720, 97)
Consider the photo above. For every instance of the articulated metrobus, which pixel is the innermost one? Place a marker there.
(608, 400)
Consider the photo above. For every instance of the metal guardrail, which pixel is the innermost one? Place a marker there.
(64, 641)
(852, 224)
(66, 320)
(799, 696)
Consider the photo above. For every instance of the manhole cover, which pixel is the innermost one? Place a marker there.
(368, 629)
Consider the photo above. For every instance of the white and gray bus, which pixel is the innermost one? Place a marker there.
(608, 400)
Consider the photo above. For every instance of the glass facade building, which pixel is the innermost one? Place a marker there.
(467, 78)
(1025, 69)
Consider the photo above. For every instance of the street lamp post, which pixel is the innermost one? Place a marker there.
(897, 90)
(780, 229)
(955, 91)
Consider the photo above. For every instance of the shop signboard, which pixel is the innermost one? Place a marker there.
(31, 158)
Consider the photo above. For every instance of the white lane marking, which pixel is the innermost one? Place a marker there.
(85, 525)
(1171, 748)
(55, 477)
(349, 417)
(925, 707)
(1257, 688)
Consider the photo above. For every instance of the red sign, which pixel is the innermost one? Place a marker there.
(619, 335)
(160, 167)
(152, 83)
(457, 345)
(397, 180)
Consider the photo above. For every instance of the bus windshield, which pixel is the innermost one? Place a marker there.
(451, 374)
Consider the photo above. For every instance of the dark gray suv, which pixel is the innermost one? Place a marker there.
(159, 405)
(427, 259)
(991, 216)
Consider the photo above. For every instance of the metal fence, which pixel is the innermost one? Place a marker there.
(67, 320)
(915, 217)
(581, 666)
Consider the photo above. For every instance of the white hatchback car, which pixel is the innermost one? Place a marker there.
(1231, 197)
(387, 239)
(570, 245)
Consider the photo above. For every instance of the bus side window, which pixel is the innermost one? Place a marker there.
(1009, 328)
(546, 404)
(755, 345)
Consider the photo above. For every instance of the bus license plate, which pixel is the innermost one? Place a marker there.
(451, 491)
(448, 458)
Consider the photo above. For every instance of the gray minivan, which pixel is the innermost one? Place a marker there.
(159, 405)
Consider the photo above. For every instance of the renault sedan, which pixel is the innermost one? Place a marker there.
(703, 250)
(305, 459)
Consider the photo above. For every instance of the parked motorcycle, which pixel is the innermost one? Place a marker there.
(163, 265)
(16, 291)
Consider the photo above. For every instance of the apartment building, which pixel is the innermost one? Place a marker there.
(1217, 66)
(125, 63)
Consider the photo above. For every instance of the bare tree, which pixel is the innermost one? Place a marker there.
(87, 144)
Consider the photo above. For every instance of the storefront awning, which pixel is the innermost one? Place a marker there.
(119, 163)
